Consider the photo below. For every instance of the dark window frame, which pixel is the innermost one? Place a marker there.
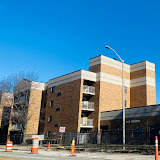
(50, 119)
(51, 103)
(53, 89)
(58, 109)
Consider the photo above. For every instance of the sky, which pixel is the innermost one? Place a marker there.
(56, 37)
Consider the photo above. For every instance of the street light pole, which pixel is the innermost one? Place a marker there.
(123, 100)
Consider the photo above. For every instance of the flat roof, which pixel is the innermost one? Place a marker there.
(144, 111)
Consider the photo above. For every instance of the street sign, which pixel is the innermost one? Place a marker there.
(62, 129)
(40, 137)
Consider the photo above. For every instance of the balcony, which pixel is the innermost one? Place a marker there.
(21, 99)
(18, 113)
(86, 123)
(87, 106)
(88, 90)
(15, 127)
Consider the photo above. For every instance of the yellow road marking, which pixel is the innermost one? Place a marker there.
(1, 158)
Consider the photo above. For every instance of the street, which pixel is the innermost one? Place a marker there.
(65, 155)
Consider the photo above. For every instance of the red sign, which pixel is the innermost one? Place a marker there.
(62, 129)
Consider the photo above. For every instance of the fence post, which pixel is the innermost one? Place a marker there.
(99, 138)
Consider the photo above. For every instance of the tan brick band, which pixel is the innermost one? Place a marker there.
(143, 73)
(109, 70)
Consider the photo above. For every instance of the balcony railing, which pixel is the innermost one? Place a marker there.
(21, 99)
(86, 123)
(87, 106)
(88, 90)
(15, 127)
(18, 113)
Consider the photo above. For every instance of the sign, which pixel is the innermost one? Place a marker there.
(40, 137)
(62, 129)
(133, 121)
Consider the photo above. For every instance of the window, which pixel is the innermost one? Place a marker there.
(51, 103)
(49, 133)
(56, 125)
(53, 89)
(125, 103)
(58, 94)
(137, 133)
(125, 89)
(44, 105)
(50, 119)
(58, 109)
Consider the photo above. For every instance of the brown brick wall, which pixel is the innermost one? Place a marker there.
(151, 95)
(33, 112)
(110, 70)
(111, 96)
(107, 97)
(43, 112)
(96, 68)
(114, 71)
(150, 73)
(143, 73)
(69, 103)
(138, 96)
(5, 102)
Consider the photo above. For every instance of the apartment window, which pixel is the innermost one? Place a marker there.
(125, 89)
(50, 119)
(53, 89)
(56, 125)
(58, 94)
(125, 103)
(58, 109)
(49, 133)
(51, 103)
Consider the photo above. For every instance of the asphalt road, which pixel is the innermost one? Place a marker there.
(27, 156)
(61, 155)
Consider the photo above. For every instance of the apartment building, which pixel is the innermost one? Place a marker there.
(76, 100)
(6, 101)
(26, 107)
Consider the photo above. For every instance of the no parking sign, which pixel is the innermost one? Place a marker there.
(62, 129)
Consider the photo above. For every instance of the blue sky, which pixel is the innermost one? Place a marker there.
(55, 37)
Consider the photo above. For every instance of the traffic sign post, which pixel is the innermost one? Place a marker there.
(61, 130)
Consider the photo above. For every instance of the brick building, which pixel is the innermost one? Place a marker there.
(6, 101)
(140, 121)
(26, 107)
(76, 100)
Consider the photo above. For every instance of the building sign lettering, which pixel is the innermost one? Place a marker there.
(133, 121)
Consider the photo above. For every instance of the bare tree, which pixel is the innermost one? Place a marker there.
(8, 84)
(19, 101)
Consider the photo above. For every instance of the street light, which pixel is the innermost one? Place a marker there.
(123, 102)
